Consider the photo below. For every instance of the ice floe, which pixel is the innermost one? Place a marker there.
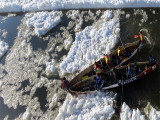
(50, 68)
(151, 112)
(91, 43)
(42, 21)
(95, 106)
(27, 115)
(3, 48)
(135, 114)
(37, 5)
(128, 114)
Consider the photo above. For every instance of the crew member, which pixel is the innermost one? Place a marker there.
(120, 51)
(98, 69)
(130, 69)
(66, 84)
(152, 60)
(99, 82)
(141, 36)
(107, 59)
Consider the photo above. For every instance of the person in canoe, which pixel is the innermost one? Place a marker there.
(152, 60)
(130, 70)
(99, 82)
(98, 68)
(66, 84)
(108, 63)
(141, 38)
(121, 53)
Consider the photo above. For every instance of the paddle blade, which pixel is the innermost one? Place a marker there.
(135, 36)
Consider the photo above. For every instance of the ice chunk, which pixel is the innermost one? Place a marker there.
(93, 106)
(42, 21)
(91, 43)
(3, 48)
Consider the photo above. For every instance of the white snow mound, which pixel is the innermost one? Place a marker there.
(42, 21)
(91, 43)
(87, 107)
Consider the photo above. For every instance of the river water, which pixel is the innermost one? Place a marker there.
(136, 94)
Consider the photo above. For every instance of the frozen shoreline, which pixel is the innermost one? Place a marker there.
(39, 5)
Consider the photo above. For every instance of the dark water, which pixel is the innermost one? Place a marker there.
(147, 89)
(11, 112)
(136, 94)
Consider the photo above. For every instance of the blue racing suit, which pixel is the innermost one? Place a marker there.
(99, 82)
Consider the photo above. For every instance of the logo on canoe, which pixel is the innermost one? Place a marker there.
(128, 81)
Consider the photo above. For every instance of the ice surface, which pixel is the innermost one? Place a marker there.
(152, 113)
(50, 69)
(128, 114)
(42, 21)
(95, 106)
(3, 45)
(27, 115)
(37, 5)
(3, 33)
(91, 43)
(3, 48)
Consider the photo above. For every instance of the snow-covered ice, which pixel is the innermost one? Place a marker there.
(91, 43)
(50, 68)
(3, 48)
(128, 114)
(27, 115)
(95, 106)
(151, 112)
(42, 21)
(37, 5)
(3, 45)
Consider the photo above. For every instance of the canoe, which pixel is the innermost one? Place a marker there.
(134, 48)
(88, 85)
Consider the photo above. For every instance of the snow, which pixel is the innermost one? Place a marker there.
(3, 45)
(67, 43)
(128, 114)
(50, 69)
(42, 21)
(37, 5)
(27, 115)
(3, 33)
(152, 113)
(95, 106)
(54, 101)
(3, 48)
(91, 43)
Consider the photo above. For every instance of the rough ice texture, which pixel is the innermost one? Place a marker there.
(91, 43)
(50, 69)
(37, 5)
(27, 114)
(3, 48)
(128, 114)
(3, 33)
(87, 107)
(42, 21)
(152, 113)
